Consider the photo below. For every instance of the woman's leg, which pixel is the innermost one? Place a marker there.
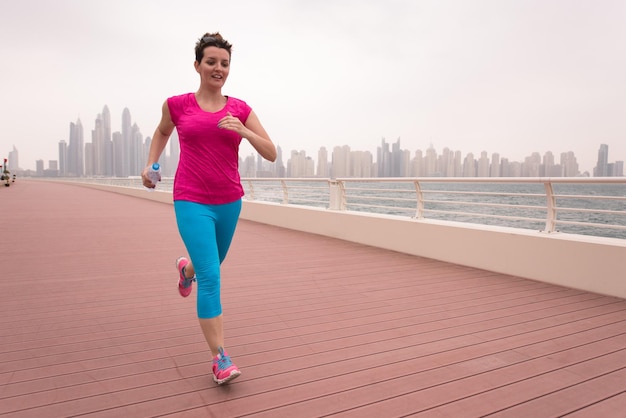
(227, 217)
(207, 231)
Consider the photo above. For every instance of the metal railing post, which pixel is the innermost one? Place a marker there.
(550, 208)
(337, 195)
(419, 209)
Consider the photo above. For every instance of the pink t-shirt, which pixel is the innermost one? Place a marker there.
(208, 169)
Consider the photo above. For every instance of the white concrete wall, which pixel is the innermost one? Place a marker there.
(588, 263)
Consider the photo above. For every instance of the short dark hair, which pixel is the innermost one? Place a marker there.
(211, 39)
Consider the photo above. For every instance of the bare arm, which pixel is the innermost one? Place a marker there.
(254, 132)
(159, 140)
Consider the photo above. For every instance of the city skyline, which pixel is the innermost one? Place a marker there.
(132, 128)
(123, 153)
(487, 75)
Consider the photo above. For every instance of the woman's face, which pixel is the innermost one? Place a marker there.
(214, 67)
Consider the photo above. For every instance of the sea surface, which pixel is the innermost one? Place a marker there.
(518, 205)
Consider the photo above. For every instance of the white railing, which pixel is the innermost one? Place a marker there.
(594, 206)
(588, 206)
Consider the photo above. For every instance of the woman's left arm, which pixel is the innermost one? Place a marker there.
(254, 132)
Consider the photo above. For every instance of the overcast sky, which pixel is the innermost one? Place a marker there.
(506, 76)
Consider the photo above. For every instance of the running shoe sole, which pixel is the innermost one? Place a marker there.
(233, 375)
(184, 291)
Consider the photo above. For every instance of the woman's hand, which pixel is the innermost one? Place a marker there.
(233, 124)
(252, 131)
(145, 179)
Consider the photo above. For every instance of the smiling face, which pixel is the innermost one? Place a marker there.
(214, 66)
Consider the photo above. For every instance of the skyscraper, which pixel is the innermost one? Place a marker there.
(494, 170)
(383, 158)
(98, 147)
(76, 149)
(447, 162)
(548, 167)
(118, 154)
(341, 162)
(62, 158)
(483, 165)
(322, 163)
(601, 169)
(469, 166)
(396, 159)
(126, 142)
(107, 143)
(430, 162)
(14, 159)
(569, 164)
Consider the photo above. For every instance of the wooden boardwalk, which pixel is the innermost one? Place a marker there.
(91, 324)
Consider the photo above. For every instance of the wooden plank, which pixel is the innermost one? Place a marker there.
(91, 323)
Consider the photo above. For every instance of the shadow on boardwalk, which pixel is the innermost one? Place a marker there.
(92, 324)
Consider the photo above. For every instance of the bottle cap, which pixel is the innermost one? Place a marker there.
(156, 166)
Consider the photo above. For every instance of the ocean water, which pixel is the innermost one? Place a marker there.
(518, 205)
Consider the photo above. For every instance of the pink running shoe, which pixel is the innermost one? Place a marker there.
(223, 368)
(184, 284)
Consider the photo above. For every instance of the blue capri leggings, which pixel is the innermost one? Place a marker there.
(207, 231)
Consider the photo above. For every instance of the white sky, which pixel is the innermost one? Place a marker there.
(506, 76)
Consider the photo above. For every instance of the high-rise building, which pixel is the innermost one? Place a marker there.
(547, 168)
(396, 159)
(405, 163)
(447, 163)
(126, 142)
(569, 165)
(39, 167)
(601, 169)
(383, 159)
(247, 166)
(89, 165)
(430, 162)
(76, 149)
(62, 158)
(297, 165)
(361, 163)
(118, 154)
(340, 166)
(323, 169)
(98, 148)
(417, 164)
(495, 170)
(483, 165)
(531, 165)
(14, 160)
(469, 166)
(458, 164)
(505, 168)
(108, 142)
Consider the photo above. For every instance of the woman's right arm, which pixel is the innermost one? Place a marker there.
(159, 140)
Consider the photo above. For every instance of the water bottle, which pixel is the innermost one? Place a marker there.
(154, 174)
